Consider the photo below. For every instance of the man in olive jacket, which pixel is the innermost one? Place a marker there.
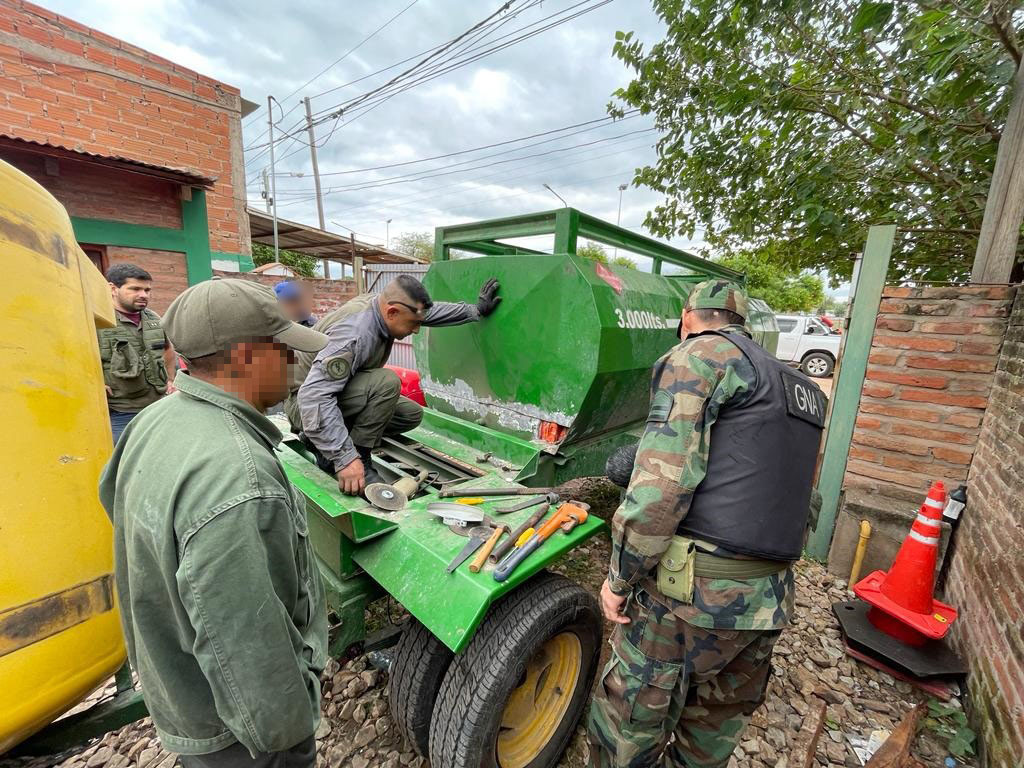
(221, 603)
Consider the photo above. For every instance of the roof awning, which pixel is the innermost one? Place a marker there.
(319, 243)
(177, 175)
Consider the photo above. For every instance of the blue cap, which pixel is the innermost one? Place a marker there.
(287, 291)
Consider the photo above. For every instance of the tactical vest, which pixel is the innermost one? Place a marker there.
(755, 498)
(133, 363)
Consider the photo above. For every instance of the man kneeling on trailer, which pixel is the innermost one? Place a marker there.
(700, 582)
(223, 610)
(343, 400)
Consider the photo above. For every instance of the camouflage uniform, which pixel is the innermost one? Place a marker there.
(683, 679)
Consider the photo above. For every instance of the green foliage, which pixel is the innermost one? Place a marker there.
(592, 251)
(789, 127)
(419, 245)
(785, 290)
(300, 262)
(951, 723)
(596, 252)
(832, 306)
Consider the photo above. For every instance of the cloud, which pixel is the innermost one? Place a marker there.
(560, 77)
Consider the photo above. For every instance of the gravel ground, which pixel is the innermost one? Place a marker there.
(357, 731)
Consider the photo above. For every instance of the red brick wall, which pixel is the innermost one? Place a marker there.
(986, 580)
(927, 386)
(66, 84)
(327, 294)
(167, 268)
(95, 192)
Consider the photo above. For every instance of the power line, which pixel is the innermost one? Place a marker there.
(358, 106)
(633, 114)
(407, 178)
(433, 52)
(542, 168)
(346, 55)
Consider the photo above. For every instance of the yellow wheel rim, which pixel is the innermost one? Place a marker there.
(536, 708)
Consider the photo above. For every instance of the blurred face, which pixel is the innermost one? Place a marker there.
(133, 296)
(403, 318)
(268, 363)
(257, 371)
(300, 308)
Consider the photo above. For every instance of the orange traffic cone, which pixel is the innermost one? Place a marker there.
(901, 600)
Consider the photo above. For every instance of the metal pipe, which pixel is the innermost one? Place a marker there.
(858, 557)
(448, 493)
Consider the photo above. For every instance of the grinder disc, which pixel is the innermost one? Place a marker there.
(386, 497)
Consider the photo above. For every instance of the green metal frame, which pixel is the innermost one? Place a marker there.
(193, 239)
(849, 382)
(568, 225)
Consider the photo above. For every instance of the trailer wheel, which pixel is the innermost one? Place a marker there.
(513, 698)
(417, 669)
(818, 364)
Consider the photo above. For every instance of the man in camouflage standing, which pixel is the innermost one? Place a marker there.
(700, 583)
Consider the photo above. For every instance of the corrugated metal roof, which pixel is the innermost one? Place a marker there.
(319, 243)
(180, 175)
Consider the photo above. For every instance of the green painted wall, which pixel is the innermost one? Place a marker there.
(193, 239)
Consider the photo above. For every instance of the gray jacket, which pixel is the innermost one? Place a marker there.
(359, 341)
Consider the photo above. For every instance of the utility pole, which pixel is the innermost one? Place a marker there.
(316, 175)
(266, 189)
(387, 234)
(1004, 208)
(618, 217)
(273, 178)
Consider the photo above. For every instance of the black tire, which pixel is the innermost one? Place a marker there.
(473, 696)
(818, 365)
(417, 669)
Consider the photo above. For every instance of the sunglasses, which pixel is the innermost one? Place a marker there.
(416, 311)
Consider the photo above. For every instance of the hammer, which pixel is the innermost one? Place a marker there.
(485, 550)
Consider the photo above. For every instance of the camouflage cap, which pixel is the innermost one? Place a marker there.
(718, 294)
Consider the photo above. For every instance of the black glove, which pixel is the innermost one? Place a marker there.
(488, 301)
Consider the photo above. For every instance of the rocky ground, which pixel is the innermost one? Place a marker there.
(357, 731)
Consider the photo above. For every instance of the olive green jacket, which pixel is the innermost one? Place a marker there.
(133, 363)
(221, 603)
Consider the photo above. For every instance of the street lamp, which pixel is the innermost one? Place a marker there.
(618, 217)
(387, 234)
(549, 189)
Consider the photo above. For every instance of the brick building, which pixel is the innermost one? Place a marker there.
(943, 399)
(145, 154)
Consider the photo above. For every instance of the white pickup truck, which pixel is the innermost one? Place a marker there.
(807, 343)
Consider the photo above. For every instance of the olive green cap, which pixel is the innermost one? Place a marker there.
(718, 294)
(213, 315)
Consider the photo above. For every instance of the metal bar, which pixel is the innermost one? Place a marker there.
(567, 228)
(448, 493)
(845, 399)
(357, 266)
(593, 228)
(75, 730)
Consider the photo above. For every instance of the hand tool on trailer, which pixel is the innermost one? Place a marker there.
(477, 537)
(455, 514)
(550, 498)
(395, 496)
(448, 493)
(490, 458)
(565, 513)
(485, 550)
(470, 500)
(507, 544)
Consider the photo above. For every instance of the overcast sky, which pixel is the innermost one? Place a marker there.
(557, 78)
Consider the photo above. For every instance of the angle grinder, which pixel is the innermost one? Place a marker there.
(395, 496)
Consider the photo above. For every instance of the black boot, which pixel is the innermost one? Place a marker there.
(369, 473)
